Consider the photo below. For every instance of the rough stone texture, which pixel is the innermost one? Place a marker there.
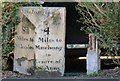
(93, 60)
(50, 40)
(24, 45)
(40, 40)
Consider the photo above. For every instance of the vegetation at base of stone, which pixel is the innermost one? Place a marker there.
(10, 18)
(103, 20)
(99, 74)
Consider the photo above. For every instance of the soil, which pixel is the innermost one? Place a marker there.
(109, 73)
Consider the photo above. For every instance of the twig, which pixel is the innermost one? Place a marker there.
(99, 9)
(92, 18)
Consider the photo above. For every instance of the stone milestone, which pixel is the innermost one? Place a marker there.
(40, 41)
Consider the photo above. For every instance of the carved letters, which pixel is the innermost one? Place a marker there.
(42, 32)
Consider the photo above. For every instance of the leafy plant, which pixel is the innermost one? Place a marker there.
(102, 20)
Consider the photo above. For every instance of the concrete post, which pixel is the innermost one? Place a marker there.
(93, 60)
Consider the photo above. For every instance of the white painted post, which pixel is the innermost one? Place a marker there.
(93, 60)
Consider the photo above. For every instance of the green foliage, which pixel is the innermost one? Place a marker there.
(10, 18)
(101, 19)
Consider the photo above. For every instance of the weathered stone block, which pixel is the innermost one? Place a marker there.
(40, 40)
